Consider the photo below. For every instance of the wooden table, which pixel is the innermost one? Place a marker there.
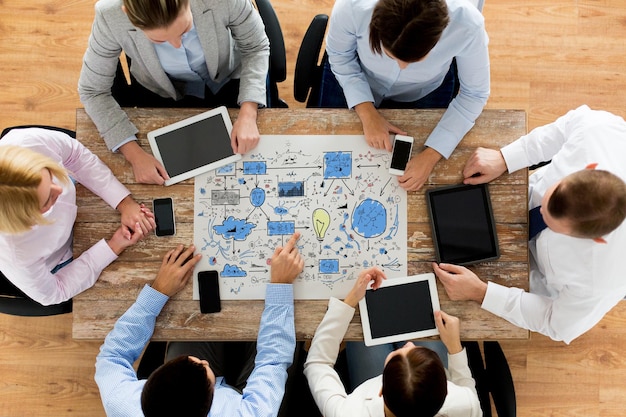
(96, 310)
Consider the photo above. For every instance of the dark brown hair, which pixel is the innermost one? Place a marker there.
(153, 14)
(592, 201)
(180, 387)
(408, 29)
(414, 384)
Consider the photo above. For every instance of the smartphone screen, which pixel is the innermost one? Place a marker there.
(208, 286)
(401, 154)
(164, 216)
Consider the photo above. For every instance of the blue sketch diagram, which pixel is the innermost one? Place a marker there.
(334, 190)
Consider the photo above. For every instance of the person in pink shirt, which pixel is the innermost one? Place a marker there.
(38, 210)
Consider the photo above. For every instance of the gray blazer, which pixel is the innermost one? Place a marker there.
(233, 39)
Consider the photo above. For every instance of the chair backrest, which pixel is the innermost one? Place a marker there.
(308, 73)
(278, 56)
(58, 129)
(14, 302)
(493, 378)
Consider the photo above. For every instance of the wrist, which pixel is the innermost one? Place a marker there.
(455, 348)
(248, 110)
(365, 111)
(431, 156)
(117, 249)
(125, 203)
(130, 150)
(481, 291)
(351, 301)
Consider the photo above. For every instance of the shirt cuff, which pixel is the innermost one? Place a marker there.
(152, 300)
(337, 304)
(495, 298)
(277, 294)
(102, 253)
(457, 360)
(514, 156)
(124, 142)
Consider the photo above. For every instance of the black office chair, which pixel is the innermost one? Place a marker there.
(13, 300)
(493, 378)
(58, 129)
(278, 56)
(308, 72)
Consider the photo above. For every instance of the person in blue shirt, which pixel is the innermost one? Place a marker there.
(201, 53)
(408, 54)
(188, 386)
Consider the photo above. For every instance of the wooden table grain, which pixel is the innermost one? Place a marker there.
(96, 310)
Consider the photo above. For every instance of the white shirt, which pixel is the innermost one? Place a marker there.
(330, 394)
(573, 282)
(369, 77)
(26, 259)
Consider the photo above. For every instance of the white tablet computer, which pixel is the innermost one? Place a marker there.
(401, 309)
(195, 145)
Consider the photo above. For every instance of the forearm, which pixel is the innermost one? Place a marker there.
(126, 341)
(275, 347)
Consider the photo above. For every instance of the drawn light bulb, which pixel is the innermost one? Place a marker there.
(321, 221)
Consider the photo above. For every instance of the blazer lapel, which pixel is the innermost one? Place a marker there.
(205, 25)
(148, 55)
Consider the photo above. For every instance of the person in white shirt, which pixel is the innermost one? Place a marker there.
(390, 394)
(576, 275)
(38, 210)
(409, 54)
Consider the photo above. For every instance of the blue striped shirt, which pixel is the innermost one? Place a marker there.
(120, 389)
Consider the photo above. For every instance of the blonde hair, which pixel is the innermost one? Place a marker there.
(20, 175)
(153, 14)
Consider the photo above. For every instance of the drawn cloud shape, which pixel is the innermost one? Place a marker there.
(233, 271)
(232, 228)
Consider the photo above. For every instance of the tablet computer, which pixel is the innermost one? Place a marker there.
(400, 309)
(194, 145)
(463, 228)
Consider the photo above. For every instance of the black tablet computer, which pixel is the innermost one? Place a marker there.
(400, 309)
(463, 228)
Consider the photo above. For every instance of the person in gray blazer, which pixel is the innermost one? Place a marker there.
(179, 50)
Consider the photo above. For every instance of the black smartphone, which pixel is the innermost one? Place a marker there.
(209, 288)
(164, 216)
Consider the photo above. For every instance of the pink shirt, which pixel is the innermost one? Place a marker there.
(26, 259)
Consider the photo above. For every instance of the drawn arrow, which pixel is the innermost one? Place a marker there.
(382, 190)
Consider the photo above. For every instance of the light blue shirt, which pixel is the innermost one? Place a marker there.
(120, 389)
(187, 65)
(369, 77)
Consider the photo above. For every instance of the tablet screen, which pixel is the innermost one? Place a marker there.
(400, 309)
(463, 227)
(195, 145)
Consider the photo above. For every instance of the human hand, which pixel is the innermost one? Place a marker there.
(133, 213)
(175, 271)
(418, 169)
(287, 263)
(449, 331)
(375, 127)
(120, 239)
(245, 135)
(146, 168)
(460, 283)
(374, 275)
(483, 166)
